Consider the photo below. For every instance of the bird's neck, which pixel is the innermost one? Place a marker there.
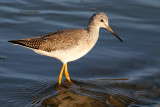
(93, 30)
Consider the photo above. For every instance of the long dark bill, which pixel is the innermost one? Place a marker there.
(114, 33)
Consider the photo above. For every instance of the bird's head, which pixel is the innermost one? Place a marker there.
(101, 20)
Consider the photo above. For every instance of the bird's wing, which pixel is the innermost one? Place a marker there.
(59, 40)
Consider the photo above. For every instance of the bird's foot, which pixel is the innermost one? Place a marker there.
(64, 87)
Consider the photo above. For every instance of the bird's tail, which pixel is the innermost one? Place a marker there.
(25, 43)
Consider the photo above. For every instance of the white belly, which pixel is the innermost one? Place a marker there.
(66, 55)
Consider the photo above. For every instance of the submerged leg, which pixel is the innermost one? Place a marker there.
(60, 75)
(66, 73)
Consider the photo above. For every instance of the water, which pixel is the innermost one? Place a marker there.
(112, 74)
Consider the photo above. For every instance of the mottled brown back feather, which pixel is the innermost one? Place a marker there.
(59, 40)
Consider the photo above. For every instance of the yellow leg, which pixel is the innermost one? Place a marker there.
(60, 75)
(66, 73)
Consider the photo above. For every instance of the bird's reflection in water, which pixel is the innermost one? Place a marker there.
(68, 97)
(97, 93)
(71, 99)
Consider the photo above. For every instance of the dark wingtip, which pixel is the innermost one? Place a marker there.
(21, 43)
(10, 41)
(14, 41)
(18, 42)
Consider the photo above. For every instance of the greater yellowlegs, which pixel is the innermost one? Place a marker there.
(68, 45)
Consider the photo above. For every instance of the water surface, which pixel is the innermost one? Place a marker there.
(112, 74)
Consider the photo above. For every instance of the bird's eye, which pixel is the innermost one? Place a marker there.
(101, 20)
